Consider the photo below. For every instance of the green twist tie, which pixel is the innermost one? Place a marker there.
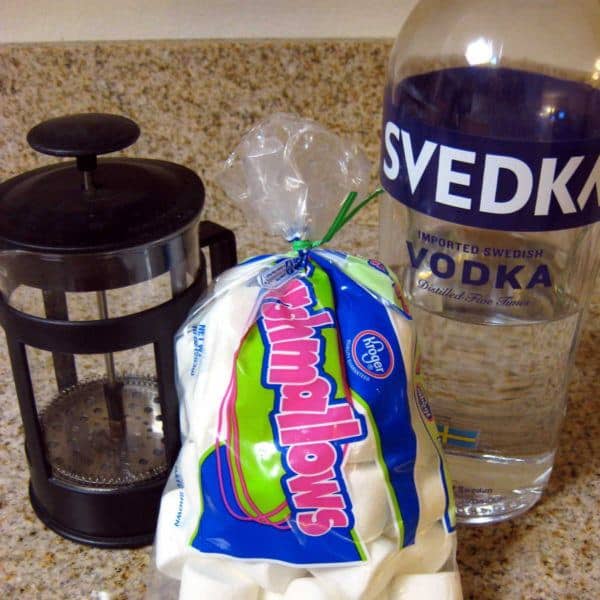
(345, 214)
(298, 245)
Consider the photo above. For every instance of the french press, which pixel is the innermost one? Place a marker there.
(112, 249)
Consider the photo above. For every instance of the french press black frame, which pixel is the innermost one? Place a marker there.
(95, 511)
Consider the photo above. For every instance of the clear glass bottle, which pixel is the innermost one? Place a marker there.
(490, 160)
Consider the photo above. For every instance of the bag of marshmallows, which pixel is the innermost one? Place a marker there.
(310, 466)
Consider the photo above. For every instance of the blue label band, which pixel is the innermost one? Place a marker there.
(492, 182)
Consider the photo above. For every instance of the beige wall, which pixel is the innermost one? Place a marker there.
(73, 20)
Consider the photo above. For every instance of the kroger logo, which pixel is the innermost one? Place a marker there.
(372, 354)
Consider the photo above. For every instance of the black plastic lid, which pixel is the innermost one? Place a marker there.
(89, 206)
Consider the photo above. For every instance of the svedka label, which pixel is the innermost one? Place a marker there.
(490, 183)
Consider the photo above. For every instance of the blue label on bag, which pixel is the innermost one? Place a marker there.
(318, 371)
(360, 322)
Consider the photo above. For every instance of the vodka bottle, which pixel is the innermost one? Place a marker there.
(490, 160)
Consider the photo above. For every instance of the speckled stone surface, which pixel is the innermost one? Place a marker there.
(193, 100)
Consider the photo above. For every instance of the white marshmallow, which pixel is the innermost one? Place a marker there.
(439, 586)
(226, 321)
(430, 552)
(384, 595)
(269, 576)
(370, 500)
(364, 450)
(215, 579)
(391, 530)
(266, 595)
(432, 498)
(180, 510)
(308, 588)
(406, 336)
(240, 274)
(365, 581)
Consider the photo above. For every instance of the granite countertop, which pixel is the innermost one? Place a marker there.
(193, 101)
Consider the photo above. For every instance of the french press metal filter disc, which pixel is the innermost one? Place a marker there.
(100, 449)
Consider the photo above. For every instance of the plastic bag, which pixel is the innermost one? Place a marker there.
(310, 466)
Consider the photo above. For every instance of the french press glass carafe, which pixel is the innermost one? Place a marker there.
(100, 261)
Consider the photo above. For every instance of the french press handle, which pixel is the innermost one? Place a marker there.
(221, 246)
